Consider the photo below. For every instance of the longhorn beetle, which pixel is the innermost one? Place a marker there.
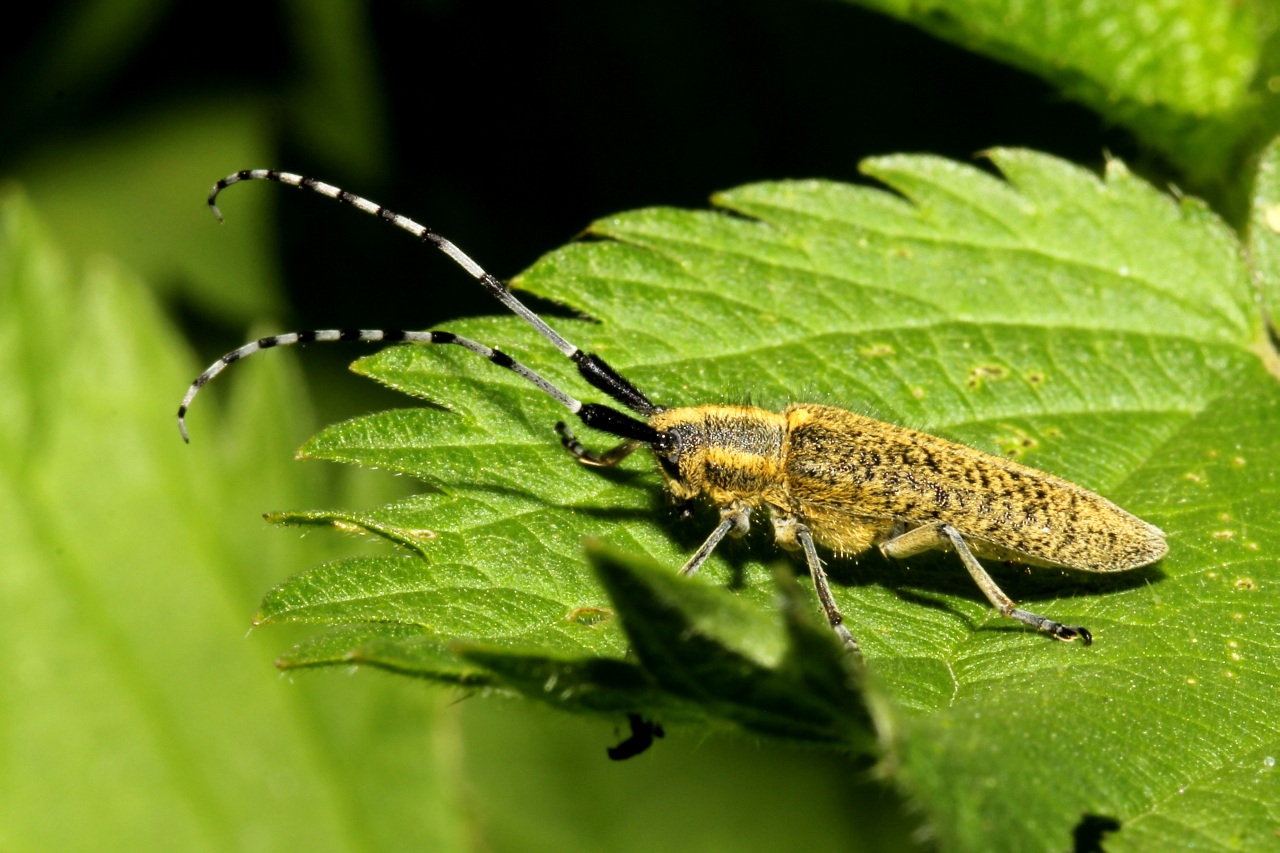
(822, 475)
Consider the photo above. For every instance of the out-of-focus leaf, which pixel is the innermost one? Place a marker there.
(135, 193)
(135, 714)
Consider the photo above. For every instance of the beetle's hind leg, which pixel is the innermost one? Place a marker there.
(932, 536)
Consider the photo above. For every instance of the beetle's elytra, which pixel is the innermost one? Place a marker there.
(820, 474)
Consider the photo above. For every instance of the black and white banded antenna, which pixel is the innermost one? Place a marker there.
(592, 368)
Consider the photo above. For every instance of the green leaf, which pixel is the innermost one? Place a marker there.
(135, 713)
(1091, 327)
(1193, 79)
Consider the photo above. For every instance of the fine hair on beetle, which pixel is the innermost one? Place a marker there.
(820, 474)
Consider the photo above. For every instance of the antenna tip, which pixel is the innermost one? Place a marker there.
(213, 199)
(182, 426)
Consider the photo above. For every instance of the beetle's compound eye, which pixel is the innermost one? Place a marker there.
(667, 451)
(668, 444)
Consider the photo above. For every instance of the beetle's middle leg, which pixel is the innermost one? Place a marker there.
(933, 536)
(791, 531)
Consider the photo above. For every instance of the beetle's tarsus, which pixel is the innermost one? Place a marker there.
(1070, 632)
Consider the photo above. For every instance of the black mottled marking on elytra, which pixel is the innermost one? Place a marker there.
(926, 461)
(1068, 541)
(981, 480)
(306, 337)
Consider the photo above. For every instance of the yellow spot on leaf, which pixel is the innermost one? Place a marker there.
(982, 372)
(1016, 442)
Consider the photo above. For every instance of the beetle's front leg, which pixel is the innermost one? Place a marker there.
(607, 459)
(735, 519)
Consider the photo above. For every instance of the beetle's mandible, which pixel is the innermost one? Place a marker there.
(821, 475)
